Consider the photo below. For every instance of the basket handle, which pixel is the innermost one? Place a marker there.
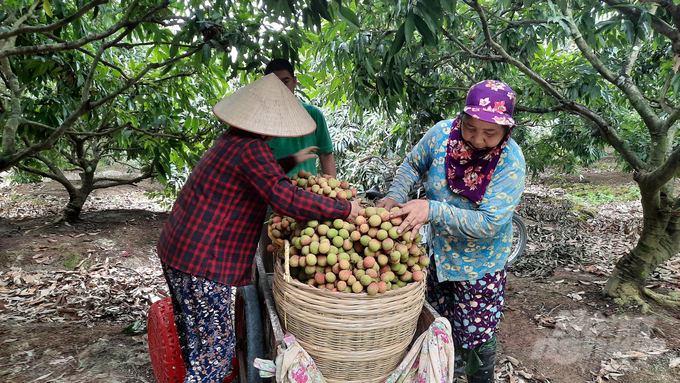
(286, 260)
(278, 242)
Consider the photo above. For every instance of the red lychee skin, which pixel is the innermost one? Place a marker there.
(372, 289)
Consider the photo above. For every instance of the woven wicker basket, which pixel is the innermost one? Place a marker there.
(353, 338)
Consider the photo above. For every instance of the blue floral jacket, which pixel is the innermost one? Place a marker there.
(468, 240)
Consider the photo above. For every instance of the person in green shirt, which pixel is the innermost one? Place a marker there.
(318, 142)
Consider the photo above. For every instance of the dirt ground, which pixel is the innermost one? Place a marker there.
(68, 291)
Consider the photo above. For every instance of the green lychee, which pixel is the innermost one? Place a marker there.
(311, 259)
(324, 247)
(374, 245)
(338, 241)
(386, 225)
(322, 230)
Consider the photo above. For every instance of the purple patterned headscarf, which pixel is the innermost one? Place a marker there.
(469, 171)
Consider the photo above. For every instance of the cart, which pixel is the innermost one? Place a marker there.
(258, 328)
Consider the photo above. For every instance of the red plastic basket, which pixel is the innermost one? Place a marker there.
(166, 355)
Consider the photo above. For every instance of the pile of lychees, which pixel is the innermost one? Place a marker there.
(368, 256)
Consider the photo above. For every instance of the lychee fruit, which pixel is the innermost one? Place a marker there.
(374, 220)
(372, 289)
(369, 262)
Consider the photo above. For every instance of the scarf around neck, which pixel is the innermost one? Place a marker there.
(469, 171)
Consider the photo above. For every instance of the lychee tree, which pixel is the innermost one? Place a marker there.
(588, 74)
(86, 82)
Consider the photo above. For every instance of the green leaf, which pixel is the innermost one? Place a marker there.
(398, 41)
(48, 8)
(306, 81)
(428, 38)
(139, 327)
(349, 17)
(320, 7)
(207, 53)
(431, 11)
(409, 27)
(174, 45)
(450, 6)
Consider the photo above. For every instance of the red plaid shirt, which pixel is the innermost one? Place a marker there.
(215, 224)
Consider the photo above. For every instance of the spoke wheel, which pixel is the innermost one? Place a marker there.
(519, 239)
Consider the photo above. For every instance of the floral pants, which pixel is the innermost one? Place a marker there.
(473, 307)
(204, 325)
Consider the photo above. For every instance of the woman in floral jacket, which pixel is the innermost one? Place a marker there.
(474, 176)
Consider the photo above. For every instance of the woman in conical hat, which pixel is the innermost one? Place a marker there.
(475, 177)
(208, 243)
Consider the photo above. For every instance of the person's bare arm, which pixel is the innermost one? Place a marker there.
(328, 164)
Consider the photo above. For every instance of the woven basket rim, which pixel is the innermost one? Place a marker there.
(278, 268)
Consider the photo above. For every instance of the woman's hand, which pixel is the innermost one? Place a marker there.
(417, 212)
(354, 213)
(387, 203)
(305, 154)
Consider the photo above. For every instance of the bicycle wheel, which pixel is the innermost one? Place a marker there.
(519, 239)
(249, 333)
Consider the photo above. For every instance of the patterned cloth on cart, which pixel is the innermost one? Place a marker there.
(430, 360)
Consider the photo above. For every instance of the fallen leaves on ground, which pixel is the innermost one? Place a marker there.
(104, 291)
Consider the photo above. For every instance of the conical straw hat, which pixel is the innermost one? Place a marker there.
(265, 106)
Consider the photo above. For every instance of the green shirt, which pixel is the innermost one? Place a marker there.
(286, 146)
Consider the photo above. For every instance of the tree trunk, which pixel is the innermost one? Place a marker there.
(75, 204)
(659, 242)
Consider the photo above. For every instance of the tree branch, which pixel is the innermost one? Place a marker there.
(612, 137)
(664, 173)
(144, 71)
(551, 109)
(27, 50)
(657, 24)
(117, 182)
(53, 26)
(85, 51)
